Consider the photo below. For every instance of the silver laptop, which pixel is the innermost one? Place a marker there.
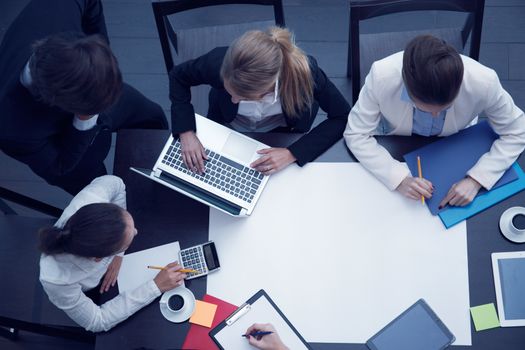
(228, 183)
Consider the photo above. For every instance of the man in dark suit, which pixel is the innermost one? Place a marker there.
(61, 92)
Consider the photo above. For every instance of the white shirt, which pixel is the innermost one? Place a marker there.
(262, 115)
(65, 277)
(480, 92)
(79, 124)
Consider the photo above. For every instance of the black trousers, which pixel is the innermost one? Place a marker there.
(132, 110)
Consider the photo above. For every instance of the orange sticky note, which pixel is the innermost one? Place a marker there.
(203, 314)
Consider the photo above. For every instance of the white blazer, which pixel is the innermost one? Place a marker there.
(480, 91)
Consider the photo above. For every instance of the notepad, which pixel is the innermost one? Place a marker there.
(484, 317)
(134, 270)
(203, 314)
(447, 161)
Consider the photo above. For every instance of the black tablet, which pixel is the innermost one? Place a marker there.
(416, 328)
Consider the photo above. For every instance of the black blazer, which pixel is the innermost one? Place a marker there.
(206, 70)
(39, 135)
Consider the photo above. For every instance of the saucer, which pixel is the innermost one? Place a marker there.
(508, 229)
(185, 312)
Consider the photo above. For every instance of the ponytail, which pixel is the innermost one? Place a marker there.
(94, 231)
(255, 61)
(54, 240)
(296, 83)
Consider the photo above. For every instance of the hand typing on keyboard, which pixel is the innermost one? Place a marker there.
(193, 153)
(273, 160)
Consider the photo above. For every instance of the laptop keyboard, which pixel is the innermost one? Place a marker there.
(220, 172)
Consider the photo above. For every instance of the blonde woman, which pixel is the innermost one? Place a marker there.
(262, 82)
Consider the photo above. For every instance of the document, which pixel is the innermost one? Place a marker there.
(134, 270)
(342, 255)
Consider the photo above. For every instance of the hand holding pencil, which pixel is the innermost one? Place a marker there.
(417, 188)
(169, 277)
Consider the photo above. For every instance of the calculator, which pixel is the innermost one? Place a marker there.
(202, 257)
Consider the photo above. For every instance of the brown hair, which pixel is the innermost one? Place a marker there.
(94, 231)
(432, 70)
(257, 59)
(76, 73)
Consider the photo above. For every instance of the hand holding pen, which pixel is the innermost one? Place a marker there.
(264, 337)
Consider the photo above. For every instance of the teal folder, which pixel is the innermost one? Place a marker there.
(453, 215)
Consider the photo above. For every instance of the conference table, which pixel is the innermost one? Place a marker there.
(163, 216)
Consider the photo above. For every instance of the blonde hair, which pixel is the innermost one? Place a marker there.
(257, 59)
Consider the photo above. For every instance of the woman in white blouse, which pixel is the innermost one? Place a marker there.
(86, 244)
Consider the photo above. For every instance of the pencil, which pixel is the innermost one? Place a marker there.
(181, 270)
(420, 176)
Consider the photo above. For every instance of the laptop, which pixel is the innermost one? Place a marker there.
(228, 183)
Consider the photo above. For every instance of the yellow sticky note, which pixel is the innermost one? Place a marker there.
(203, 313)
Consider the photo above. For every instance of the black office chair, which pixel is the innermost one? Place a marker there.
(364, 49)
(187, 43)
(24, 305)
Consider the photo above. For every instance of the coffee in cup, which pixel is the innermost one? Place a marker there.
(175, 302)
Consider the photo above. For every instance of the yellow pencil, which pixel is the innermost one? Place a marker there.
(420, 176)
(181, 270)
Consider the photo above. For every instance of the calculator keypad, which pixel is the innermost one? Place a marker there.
(193, 258)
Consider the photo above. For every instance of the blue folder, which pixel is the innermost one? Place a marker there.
(453, 215)
(447, 161)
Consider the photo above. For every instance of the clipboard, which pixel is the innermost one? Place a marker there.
(260, 308)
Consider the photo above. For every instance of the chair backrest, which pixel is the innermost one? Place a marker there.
(187, 43)
(364, 49)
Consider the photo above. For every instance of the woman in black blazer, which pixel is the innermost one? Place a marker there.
(262, 82)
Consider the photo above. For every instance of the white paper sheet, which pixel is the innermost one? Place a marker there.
(134, 270)
(342, 255)
(230, 336)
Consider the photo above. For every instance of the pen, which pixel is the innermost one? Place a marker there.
(420, 176)
(181, 270)
(256, 334)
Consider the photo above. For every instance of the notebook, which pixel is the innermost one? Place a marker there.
(447, 161)
(260, 308)
(228, 183)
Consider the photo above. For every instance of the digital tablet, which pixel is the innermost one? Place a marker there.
(509, 281)
(416, 328)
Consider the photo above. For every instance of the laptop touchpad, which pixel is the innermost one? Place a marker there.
(239, 147)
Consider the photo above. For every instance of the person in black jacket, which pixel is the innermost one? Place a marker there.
(262, 82)
(61, 92)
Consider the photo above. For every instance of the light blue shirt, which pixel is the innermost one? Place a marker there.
(424, 123)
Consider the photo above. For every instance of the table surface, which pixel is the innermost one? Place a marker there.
(162, 216)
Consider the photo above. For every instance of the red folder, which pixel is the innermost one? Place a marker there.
(197, 337)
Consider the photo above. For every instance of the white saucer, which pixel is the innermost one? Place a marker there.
(186, 311)
(508, 229)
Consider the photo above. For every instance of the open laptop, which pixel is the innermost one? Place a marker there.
(228, 183)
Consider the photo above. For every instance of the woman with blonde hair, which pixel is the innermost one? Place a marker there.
(262, 82)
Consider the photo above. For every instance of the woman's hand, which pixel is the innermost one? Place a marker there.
(193, 153)
(273, 160)
(111, 274)
(170, 277)
(267, 342)
(461, 193)
(414, 188)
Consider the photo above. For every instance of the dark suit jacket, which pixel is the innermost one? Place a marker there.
(206, 70)
(37, 134)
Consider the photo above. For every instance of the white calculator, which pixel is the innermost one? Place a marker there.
(202, 257)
